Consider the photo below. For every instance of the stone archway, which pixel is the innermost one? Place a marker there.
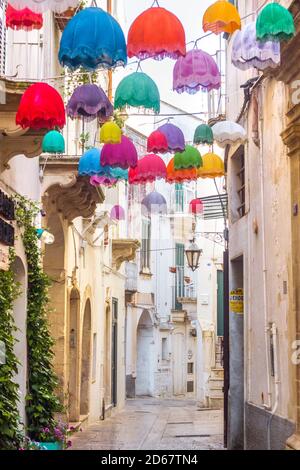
(145, 360)
(54, 266)
(74, 327)
(86, 360)
(20, 348)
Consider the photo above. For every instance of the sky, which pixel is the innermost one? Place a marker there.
(190, 13)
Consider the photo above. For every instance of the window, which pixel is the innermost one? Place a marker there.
(164, 349)
(238, 202)
(190, 368)
(179, 283)
(146, 245)
(179, 198)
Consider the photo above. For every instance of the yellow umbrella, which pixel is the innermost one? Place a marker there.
(213, 166)
(110, 133)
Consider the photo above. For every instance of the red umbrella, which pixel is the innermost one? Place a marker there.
(196, 206)
(41, 107)
(157, 142)
(149, 168)
(23, 19)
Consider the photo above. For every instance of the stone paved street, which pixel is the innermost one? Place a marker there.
(153, 424)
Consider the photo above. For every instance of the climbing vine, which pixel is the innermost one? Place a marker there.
(41, 400)
(10, 435)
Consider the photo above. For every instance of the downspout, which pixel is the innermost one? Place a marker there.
(276, 379)
(267, 405)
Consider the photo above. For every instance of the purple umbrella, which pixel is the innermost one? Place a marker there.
(123, 155)
(247, 52)
(175, 137)
(154, 203)
(196, 71)
(117, 213)
(89, 102)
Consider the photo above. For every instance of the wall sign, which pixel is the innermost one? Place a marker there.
(236, 302)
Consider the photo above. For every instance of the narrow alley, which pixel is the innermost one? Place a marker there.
(155, 424)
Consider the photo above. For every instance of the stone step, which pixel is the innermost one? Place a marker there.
(216, 402)
(216, 383)
(215, 392)
(217, 373)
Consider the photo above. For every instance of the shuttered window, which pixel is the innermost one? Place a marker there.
(2, 37)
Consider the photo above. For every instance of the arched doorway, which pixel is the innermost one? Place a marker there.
(145, 359)
(20, 348)
(85, 361)
(54, 266)
(73, 355)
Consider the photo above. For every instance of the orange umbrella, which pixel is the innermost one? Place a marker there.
(221, 17)
(180, 176)
(213, 166)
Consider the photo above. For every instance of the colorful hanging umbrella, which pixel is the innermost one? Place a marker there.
(24, 19)
(221, 17)
(157, 142)
(154, 203)
(248, 52)
(190, 158)
(229, 133)
(53, 142)
(110, 133)
(117, 213)
(121, 155)
(196, 71)
(89, 102)
(196, 207)
(275, 23)
(41, 107)
(203, 135)
(175, 137)
(90, 164)
(39, 6)
(137, 90)
(156, 33)
(180, 176)
(149, 168)
(213, 166)
(92, 39)
(104, 180)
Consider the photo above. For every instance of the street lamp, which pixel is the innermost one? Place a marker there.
(193, 253)
(45, 236)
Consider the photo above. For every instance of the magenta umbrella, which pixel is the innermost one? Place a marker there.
(117, 213)
(196, 71)
(123, 155)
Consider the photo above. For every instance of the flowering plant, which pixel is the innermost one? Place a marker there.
(59, 432)
(29, 444)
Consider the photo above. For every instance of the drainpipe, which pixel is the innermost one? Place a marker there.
(267, 405)
(276, 379)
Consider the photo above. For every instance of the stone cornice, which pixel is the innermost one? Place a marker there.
(123, 250)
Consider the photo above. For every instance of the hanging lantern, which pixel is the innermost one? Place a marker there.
(24, 19)
(248, 52)
(53, 142)
(154, 203)
(90, 164)
(117, 213)
(156, 33)
(180, 176)
(213, 166)
(110, 133)
(157, 142)
(92, 39)
(193, 253)
(149, 168)
(275, 23)
(221, 17)
(120, 155)
(175, 137)
(229, 133)
(41, 107)
(196, 207)
(190, 158)
(203, 135)
(139, 91)
(196, 71)
(89, 102)
(39, 6)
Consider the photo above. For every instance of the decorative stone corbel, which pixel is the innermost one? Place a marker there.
(123, 250)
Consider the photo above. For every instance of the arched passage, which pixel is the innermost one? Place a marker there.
(74, 326)
(86, 360)
(19, 314)
(54, 266)
(145, 359)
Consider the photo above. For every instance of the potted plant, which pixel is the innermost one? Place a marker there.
(55, 437)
